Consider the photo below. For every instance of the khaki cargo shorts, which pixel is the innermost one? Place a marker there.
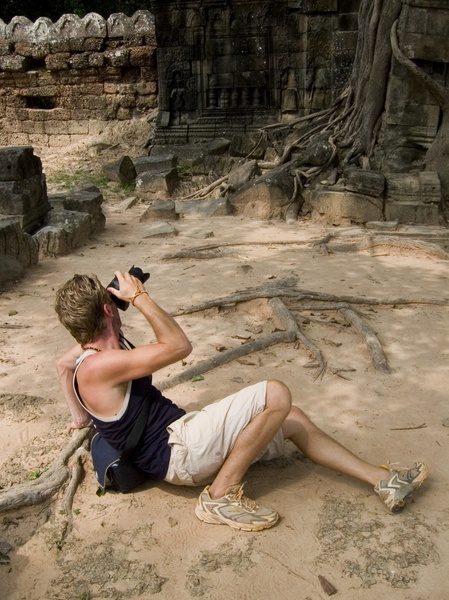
(202, 440)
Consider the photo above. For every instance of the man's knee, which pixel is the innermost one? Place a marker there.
(278, 395)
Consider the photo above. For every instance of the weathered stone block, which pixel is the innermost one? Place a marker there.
(247, 144)
(215, 207)
(267, 196)
(65, 230)
(141, 57)
(343, 207)
(423, 186)
(155, 164)
(243, 173)
(122, 170)
(159, 184)
(16, 243)
(84, 201)
(10, 269)
(412, 213)
(58, 61)
(159, 230)
(317, 153)
(160, 210)
(370, 183)
(14, 63)
(26, 199)
(430, 186)
(19, 162)
(218, 146)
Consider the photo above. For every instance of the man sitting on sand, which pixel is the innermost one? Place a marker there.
(213, 446)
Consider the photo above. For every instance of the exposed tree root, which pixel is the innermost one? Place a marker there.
(44, 487)
(202, 193)
(295, 297)
(278, 337)
(201, 251)
(284, 289)
(76, 474)
(371, 243)
(381, 241)
(377, 354)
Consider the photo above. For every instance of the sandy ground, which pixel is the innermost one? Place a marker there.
(150, 542)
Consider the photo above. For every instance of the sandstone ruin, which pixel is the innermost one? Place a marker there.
(303, 109)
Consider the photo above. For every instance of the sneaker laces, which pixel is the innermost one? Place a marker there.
(243, 500)
(395, 466)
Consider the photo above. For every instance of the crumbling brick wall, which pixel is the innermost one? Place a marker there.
(62, 81)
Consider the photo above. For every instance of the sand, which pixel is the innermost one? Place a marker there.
(149, 542)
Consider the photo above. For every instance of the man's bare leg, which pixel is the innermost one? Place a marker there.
(254, 438)
(325, 451)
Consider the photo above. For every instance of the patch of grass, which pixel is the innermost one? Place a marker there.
(34, 474)
(72, 181)
(183, 170)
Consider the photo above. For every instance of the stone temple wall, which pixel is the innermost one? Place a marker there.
(229, 66)
(62, 81)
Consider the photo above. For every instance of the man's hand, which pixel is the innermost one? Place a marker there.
(78, 425)
(129, 286)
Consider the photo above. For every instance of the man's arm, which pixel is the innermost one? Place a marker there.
(172, 344)
(65, 366)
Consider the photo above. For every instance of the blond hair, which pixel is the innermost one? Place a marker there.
(79, 306)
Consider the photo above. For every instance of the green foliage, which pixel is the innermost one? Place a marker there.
(183, 169)
(71, 181)
(35, 474)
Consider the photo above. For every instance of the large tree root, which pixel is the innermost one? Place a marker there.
(278, 337)
(202, 251)
(380, 242)
(284, 289)
(75, 477)
(295, 301)
(364, 330)
(41, 489)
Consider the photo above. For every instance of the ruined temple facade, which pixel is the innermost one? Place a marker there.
(63, 81)
(228, 66)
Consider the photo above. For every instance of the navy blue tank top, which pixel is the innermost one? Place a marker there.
(153, 452)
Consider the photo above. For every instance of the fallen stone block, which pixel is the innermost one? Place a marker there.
(65, 230)
(157, 185)
(18, 244)
(122, 171)
(343, 207)
(266, 197)
(190, 157)
(155, 164)
(10, 269)
(218, 146)
(160, 210)
(215, 207)
(159, 230)
(88, 200)
(317, 153)
(23, 189)
(19, 162)
(243, 173)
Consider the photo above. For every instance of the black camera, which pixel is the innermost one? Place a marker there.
(136, 272)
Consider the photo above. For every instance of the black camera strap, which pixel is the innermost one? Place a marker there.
(141, 422)
(137, 430)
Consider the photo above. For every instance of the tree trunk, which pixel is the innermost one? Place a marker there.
(369, 78)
